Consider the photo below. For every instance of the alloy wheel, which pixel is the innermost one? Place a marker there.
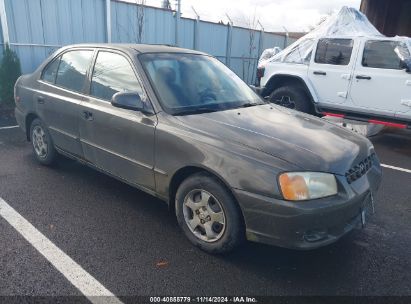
(40, 142)
(204, 215)
(285, 101)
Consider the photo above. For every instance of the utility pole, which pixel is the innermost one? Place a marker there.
(261, 41)
(286, 37)
(4, 24)
(196, 28)
(178, 15)
(229, 40)
(108, 20)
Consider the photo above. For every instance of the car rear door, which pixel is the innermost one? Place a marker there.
(61, 90)
(330, 70)
(118, 141)
(381, 85)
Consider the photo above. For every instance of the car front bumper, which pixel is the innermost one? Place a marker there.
(309, 224)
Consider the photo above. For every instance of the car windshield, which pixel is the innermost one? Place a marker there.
(189, 84)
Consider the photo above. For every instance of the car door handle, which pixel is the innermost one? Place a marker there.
(87, 115)
(40, 99)
(319, 73)
(363, 77)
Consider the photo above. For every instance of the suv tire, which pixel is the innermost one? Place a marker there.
(292, 97)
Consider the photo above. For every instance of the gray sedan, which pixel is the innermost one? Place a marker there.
(180, 125)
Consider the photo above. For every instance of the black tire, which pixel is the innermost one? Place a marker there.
(232, 235)
(292, 97)
(50, 154)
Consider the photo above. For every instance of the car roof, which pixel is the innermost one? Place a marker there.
(139, 48)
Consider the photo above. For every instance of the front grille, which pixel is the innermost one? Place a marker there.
(360, 169)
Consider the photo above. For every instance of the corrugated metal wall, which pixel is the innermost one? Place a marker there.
(38, 27)
(1, 42)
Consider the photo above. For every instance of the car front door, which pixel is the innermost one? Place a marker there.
(118, 141)
(61, 90)
(330, 70)
(381, 85)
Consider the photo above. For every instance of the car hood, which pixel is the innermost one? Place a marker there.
(306, 141)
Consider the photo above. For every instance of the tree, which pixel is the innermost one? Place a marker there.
(249, 64)
(140, 19)
(166, 4)
(10, 71)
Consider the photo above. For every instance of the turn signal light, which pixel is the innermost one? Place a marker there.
(300, 186)
(294, 188)
(260, 72)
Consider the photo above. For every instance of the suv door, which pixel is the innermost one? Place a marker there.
(118, 141)
(60, 93)
(330, 70)
(381, 84)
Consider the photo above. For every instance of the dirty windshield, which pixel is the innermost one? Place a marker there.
(189, 84)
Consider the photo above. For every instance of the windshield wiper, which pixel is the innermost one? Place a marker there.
(251, 104)
(196, 111)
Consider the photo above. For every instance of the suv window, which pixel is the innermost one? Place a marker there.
(72, 69)
(113, 73)
(50, 72)
(384, 54)
(334, 51)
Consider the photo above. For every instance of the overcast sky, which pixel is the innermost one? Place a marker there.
(295, 15)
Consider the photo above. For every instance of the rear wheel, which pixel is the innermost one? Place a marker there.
(208, 214)
(293, 98)
(42, 143)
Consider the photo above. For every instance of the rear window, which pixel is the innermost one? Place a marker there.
(385, 54)
(50, 72)
(334, 51)
(72, 70)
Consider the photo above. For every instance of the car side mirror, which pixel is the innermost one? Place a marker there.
(130, 101)
(407, 65)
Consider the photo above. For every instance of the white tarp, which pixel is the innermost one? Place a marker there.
(269, 53)
(347, 22)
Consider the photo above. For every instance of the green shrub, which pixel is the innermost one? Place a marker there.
(10, 71)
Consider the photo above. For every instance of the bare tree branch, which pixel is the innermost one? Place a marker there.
(248, 61)
(140, 9)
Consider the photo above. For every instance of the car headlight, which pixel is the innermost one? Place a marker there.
(299, 186)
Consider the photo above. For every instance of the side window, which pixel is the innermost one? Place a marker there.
(113, 73)
(334, 51)
(50, 72)
(384, 54)
(72, 70)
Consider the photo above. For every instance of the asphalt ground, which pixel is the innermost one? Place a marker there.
(130, 243)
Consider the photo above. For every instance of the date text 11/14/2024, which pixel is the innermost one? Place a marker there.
(203, 299)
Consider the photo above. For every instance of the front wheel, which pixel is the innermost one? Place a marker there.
(208, 214)
(42, 143)
(293, 98)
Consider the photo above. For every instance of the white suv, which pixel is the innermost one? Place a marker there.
(359, 78)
